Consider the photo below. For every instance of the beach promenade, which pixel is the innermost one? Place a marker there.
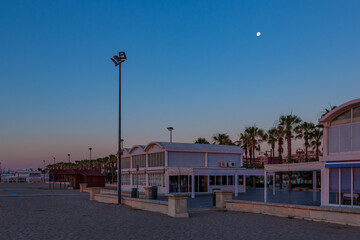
(32, 211)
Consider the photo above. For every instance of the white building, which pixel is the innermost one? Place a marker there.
(341, 155)
(185, 167)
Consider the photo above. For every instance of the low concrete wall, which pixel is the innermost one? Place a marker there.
(148, 205)
(106, 198)
(325, 214)
(176, 207)
(83, 186)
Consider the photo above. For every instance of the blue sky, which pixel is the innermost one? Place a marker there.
(195, 65)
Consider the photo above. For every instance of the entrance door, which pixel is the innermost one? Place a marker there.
(201, 183)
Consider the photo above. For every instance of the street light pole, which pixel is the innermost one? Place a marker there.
(54, 162)
(90, 153)
(69, 157)
(118, 60)
(170, 129)
(44, 170)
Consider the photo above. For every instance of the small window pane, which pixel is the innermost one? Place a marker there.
(345, 138)
(218, 180)
(334, 139)
(356, 114)
(334, 186)
(212, 180)
(224, 180)
(230, 180)
(342, 119)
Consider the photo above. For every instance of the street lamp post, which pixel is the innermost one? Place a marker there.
(90, 153)
(69, 157)
(118, 60)
(170, 129)
(54, 162)
(44, 170)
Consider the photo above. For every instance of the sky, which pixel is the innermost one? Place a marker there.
(197, 66)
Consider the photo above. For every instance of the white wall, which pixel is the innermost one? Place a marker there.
(215, 158)
(184, 159)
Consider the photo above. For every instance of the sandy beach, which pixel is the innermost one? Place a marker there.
(32, 211)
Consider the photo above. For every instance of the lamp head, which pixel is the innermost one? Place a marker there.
(170, 128)
(122, 55)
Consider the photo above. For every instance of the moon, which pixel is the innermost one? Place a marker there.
(258, 34)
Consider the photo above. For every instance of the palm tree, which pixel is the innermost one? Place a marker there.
(255, 137)
(290, 124)
(327, 110)
(271, 134)
(244, 143)
(279, 135)
(306, 130)
(201, 140)
(316, 137)
(222, 139)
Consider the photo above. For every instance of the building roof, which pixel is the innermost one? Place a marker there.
(339, 110)
(85, 172)
(193, 147)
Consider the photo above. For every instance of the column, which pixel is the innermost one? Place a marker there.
(314, 185)
(244, 182)
(206, 159)
(274, 183)
(265, 187)
(236, 185)
(192, 185)
(167, 186)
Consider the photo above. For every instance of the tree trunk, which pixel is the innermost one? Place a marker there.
(289, 146)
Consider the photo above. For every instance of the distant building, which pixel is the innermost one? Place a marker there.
(185, 167)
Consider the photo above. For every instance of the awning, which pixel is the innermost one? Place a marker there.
(347, 164)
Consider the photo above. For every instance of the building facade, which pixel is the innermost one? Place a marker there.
(341, 156)
(185, 167)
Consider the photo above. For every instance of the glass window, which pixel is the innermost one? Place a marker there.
(155, 179)
(334, 186)
(139, 179)
(230, 180)
(156, 159)
(355, 137)
(241, 180)
(224, 180)
(345, 138)
(334, 139)
(174, 184)
(125, 179)
(212, 180)
(342, 119)
(356, 114)
(139, 160)
(346, 186)
(125, 162)
(218, 180)
(356, 186)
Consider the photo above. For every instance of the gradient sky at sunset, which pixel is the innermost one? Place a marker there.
(195, 65)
